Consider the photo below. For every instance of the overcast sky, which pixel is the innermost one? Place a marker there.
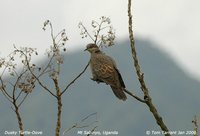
(173, 24)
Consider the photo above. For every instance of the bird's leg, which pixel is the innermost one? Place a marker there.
(96, 79)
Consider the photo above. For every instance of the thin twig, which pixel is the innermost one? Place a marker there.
(75, 78)
(92, 131)
(5, 93)
(92, 114)
(47, 66)
(67, 130)
(23, 100)
(59, 33)
(52, 36)
(105, 27)
(134, 96)
(78, 125)
(8, 97)
(45, 87)
(87, 32)
(19, 95)
(3, 71)
(98, 31)
(15, 85)
(29, 68)
(17, 81)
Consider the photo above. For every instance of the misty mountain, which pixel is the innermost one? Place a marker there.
(174, 93)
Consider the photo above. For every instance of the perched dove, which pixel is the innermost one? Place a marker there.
(104, 70)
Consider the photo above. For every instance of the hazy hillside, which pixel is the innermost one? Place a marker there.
(175, 94)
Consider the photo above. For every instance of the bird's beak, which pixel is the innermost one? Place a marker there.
(85, 49)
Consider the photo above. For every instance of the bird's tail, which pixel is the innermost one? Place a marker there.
(119, 93)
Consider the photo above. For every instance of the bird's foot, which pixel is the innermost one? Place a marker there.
(97, 80)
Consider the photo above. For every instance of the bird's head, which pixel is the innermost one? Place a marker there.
(92, 48)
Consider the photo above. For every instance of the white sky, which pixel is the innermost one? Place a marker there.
(173, 24)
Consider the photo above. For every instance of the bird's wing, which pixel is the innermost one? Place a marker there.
(117, 73)
(120, 78)
(106, 70)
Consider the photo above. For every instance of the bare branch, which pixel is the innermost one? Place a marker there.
(85, 31)
(97, 33)
(59, 107)
(140, 75)
(75, 78)
(15, 85)
(47, 66)
(29, 68)
(3, 71)
(45, 87)
(16, 82)
(20, 123)
(67, 130)
(5, 93)
(196, 125)
(19, 95)
(23, 100)
(92, 131)
(7, 96)
(92, 114)
(134, 96)
(52, 36)
(102, 35)
(79, 125)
